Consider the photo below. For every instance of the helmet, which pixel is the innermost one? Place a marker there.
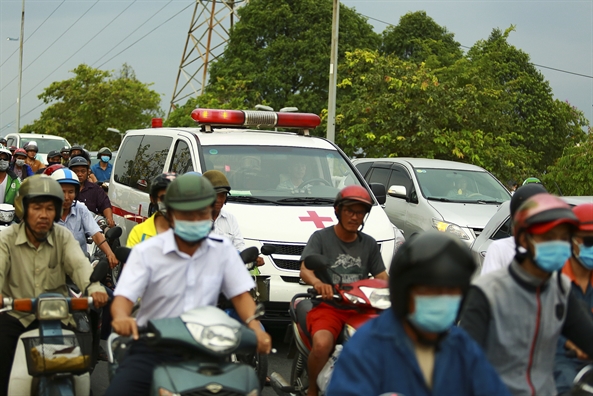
(12, 149)
(6, 151)
(351, 195)
(76, 147)
(430, 258)
(160, 182)
(52, 168)
(77, 161)
(531, 180)
(66, 176)
(20, 151)
(189, 192)
(65, 149)
(38, 186)
(523, 193)
(3, 141)
(541, 213)
(31, 146)
(218, 180)
(584, 212)
(104, 151)
(54, 153)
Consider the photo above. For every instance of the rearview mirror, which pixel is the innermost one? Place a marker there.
(122, 253)
(113, 233)
(250, 254)
(100, 270)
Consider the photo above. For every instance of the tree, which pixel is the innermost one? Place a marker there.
(418, 38)
(281, 50)
(83, 107)
(571, 173)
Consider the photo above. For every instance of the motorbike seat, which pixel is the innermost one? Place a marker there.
(302, 309)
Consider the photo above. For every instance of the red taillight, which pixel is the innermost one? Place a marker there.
(157, 122)
(218, 117)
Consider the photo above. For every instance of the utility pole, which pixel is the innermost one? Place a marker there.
(18, 99)
(208, 34)
(333, 74)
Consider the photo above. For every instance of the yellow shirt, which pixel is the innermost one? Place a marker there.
(27, 271)
(142, 232)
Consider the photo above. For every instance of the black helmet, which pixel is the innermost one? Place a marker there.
(190, 192)
(31, 146)
(65, 149)
(104, 151)
(53, 153)
(523, 193)
(160, 182)
(430, 258)
(37, 186)
(76, 147)
(77, 161)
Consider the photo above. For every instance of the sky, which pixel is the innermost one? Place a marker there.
(150, 36)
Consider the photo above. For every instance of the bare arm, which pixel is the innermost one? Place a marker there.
(99, 240)
(326, 290)
(108, 213)
(122, 323)
(245, 307)
(383, 276)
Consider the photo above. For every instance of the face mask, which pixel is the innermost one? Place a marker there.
(3, 165)
(193, 231)
(20, 162)
(105, 158)
(551, 256)
(162, 208)
(435, 314)
(586, 256)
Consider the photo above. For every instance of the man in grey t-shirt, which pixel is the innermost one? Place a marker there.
(354, 256)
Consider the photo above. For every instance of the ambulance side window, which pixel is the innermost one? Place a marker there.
(125, 159)
(150, 161)
(181, 162)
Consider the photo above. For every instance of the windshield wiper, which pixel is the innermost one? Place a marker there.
(307, 200)
(249, 199)
(440, 199)
(485, 201)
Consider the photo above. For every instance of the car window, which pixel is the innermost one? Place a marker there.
(504, 231)
(380, 175)
(399, 177)
(363, 168)
(181, 162)
(11, 141)
(45, 145)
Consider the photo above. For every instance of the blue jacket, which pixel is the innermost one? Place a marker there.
(380, 359)
(102, 175)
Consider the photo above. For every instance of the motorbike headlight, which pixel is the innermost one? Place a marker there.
(379, 298)
(451, 228)
(166, 392)
(6, 216)
(218, 338)
(354, 299)
(350, 330)
(52, 308)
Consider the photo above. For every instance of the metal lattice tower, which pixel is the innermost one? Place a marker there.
(208, 34)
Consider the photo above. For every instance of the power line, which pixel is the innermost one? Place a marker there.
(464, 46)
(35, 31)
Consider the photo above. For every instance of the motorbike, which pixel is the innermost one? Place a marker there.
(206, 337)
(51, 360)
(6, 215)
(583, 382)
(369, 297)
(112, 236)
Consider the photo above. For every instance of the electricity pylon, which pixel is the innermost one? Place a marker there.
(208, 34)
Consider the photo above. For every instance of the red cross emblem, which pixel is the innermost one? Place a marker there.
(314, 217)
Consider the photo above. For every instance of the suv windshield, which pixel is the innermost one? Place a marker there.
(45, 145)
(452, 185)
(281, 175)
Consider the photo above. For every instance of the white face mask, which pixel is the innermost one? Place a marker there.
(3, 165)
(20, 162)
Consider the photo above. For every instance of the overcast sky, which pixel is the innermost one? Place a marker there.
(150, 36)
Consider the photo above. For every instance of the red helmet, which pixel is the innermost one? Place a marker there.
(352, 195)
(584, 212)
(20, 151)
(52, 168)
(542, 212)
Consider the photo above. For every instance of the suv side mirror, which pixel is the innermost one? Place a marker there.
(378, 190)
(398, 192)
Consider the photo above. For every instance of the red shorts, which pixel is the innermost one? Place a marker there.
(326, 317)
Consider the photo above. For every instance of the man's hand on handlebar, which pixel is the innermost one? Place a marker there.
(326, 291)
(99, 299)
(264, 341)
(125, 326)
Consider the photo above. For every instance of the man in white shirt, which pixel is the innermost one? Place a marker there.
(176, 271)
(501, 252)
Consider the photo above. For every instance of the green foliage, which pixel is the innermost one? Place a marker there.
(418, 38)
(83, 107)
(572, 172)
(281, 50)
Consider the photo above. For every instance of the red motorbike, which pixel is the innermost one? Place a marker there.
(369, 297)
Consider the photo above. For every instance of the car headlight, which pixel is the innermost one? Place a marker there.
(52, 308)
(218, 338)
(451, 228)
(379, 298)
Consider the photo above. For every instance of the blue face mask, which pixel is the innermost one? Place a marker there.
(105, 158)
(192, 231)
(551, 256)
(435, 314)
(586, 256)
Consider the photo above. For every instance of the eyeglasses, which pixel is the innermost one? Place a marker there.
(352, 213)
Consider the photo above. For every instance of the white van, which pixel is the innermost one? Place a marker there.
(258, 164)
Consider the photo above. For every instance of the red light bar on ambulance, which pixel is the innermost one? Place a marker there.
(255, 118)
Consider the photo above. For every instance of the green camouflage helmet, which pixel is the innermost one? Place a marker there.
(218, 180)
(189, 192)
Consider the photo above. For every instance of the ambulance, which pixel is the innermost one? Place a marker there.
(283, 184)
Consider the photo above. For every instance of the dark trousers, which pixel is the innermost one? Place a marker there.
(134, 374)
(10, 330)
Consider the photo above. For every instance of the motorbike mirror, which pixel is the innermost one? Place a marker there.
(113, 233)
(583, 381)
(100, 270)
(122, 253)
(267, 250)
(250, 254)
(316, 262)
